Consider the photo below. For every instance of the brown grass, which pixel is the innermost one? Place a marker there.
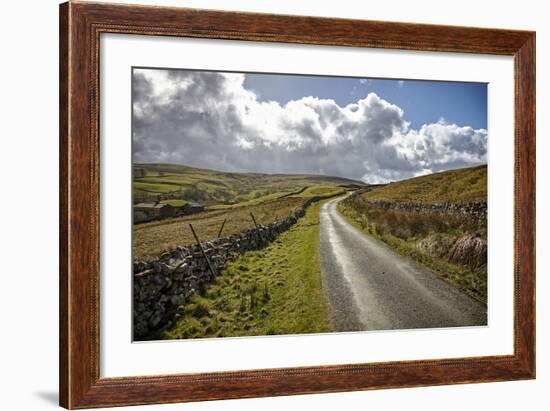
(462, 185)
(469, 250)
(436, 244)
(404, 224)
(453, 247)
(152, 239)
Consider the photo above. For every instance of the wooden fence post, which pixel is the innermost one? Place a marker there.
(202, 250)
(221, 228)
(257, 228)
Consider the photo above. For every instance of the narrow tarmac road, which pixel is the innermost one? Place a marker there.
(371, 287)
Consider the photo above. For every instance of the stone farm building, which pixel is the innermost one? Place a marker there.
(191, 208)
(152, 211)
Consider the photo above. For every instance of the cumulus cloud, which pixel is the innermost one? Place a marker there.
(209, 120)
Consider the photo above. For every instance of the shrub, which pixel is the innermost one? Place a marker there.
(470, 251)
(436, 244)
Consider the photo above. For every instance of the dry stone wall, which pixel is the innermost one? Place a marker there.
(162, 284)
(476, 210)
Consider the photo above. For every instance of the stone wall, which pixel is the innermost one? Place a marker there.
(162, 284)
(476, 210)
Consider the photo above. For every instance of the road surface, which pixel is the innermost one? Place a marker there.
(370, 287)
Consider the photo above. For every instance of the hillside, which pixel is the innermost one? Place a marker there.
(461, 185)
(210, 187)
(230, 199)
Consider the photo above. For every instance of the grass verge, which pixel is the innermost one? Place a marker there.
(412, 235)
(272, 291)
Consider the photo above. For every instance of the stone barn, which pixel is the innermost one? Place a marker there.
(192, 208)
(152, 211)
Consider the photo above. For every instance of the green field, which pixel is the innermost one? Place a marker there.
(320, 190)
(247, 203)
(276, 290)
(220, 189)
(175, 202)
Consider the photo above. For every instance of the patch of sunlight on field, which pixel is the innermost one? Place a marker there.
(321, 190)
(154, 187)
(175, 203)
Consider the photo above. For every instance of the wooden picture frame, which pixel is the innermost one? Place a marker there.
(80, 27)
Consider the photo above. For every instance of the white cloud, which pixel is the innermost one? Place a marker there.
(210, 120)
(400, 83)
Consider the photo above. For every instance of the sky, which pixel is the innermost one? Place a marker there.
(461, 103)
(374, 130)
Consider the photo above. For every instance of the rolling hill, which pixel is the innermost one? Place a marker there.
(230, 199)
(460, 185)
(211, 187)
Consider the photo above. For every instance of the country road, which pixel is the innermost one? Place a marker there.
(370, 287)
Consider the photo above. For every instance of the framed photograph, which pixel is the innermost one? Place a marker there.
(258, 205)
